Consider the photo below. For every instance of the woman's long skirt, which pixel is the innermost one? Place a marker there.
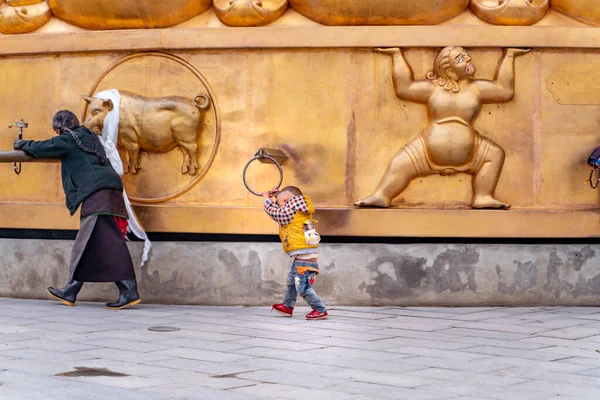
(100, 253)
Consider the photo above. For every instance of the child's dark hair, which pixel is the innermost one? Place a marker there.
(292, 189)
(65, 121)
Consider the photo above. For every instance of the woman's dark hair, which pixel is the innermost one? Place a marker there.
(65, 121)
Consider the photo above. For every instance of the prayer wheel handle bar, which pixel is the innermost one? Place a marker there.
(267, 156)
(17, 156)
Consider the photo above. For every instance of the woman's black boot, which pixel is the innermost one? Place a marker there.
(68, 294)
(128, 295)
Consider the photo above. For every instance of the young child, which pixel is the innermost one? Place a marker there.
(293, 212)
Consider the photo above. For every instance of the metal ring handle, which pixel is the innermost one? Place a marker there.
(261, 157)
(591, 180)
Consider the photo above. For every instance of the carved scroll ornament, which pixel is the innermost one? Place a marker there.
(510, 12)
(24, 16)
(249, 12)
(449, 144)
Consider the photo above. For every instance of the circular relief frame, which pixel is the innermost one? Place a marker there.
(215, 106)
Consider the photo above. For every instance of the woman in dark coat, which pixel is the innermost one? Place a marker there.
(100, 253)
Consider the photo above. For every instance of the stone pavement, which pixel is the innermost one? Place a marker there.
(246, 353)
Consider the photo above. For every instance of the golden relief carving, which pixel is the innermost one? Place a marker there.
(380, 12)
(156, 125)
(586, 11)
(16, 3)
(24, 16)
(510, 12)
(249, 12)
(449, 144)
(127, 14)
(338, 149)
(156, 130)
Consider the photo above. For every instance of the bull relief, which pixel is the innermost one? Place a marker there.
(156, 125)
(449, 144)
(167, 136)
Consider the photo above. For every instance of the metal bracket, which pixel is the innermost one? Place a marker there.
(263, 155)
(267, 156)
(21, 125)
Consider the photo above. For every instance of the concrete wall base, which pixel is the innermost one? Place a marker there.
(209, 273)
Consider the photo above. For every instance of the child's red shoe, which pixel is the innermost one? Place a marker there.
(282, 309)
(314, 314)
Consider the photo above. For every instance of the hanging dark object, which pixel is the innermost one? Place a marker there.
(594, 162)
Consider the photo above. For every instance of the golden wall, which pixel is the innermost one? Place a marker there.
(323, 96)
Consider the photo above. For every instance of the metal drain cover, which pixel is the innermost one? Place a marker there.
(163, 329)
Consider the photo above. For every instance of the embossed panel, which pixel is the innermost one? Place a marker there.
(127, 14)
(326, 97)
(380, 12)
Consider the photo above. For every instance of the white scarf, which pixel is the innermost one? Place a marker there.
(110, 135)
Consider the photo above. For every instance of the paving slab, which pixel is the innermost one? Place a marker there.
(494, 379)
(464, 390)
(237, 353)
(561, 388)
(214, 368)
(277, 391)
(574, 333)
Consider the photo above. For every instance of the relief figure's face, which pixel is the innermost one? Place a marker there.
(98, 109)
(461, 65)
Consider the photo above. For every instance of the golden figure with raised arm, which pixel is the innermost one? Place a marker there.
(449, 144)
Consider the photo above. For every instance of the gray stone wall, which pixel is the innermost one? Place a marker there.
(211, 273)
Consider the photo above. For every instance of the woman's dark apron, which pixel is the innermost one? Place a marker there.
(100, 252)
